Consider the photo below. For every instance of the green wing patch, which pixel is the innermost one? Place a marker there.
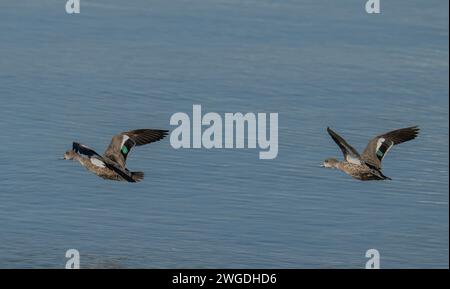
(127, 146)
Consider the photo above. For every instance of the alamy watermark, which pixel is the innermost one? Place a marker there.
(74, 259)
(373, 7)
(212, 131)
(374, 259)
(73, 256)
(73, 6)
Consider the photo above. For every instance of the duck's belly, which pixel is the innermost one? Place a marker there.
(359, 172)
(105, 173)
(109, 175)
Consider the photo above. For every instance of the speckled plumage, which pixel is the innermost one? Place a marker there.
(105, 173)
(359, 172)
(368, 165)
(112, 165)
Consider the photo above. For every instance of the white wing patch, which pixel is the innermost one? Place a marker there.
(126, 145)
(379, 143)
(98, 163)
(353, 160)
(382, 151)
(124, 139)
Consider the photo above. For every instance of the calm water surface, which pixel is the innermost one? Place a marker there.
(119, 66)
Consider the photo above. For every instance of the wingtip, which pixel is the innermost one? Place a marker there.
(164, 133)
(415, 130)
(331, 132)
(75, 146)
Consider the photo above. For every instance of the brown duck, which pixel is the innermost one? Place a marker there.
(368, 165)
(112, 165)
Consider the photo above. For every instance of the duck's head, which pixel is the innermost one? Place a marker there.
(70, 155)
(330, 163)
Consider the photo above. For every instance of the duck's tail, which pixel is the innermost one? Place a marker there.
(137, 176)
(383, 177)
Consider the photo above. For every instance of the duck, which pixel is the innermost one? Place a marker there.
(112, 164)
(367, 166)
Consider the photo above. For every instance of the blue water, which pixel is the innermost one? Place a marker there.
(120, 66)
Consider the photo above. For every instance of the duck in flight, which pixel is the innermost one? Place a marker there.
(112, 164)
(368, 165)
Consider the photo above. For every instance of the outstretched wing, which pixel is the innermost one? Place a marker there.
(350, 154)
(84, 150)
(379, 146)
(122, 143)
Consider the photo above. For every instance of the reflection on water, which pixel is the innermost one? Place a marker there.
(114, 68)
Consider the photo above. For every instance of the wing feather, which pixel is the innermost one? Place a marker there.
(350, 154)
(379, 146)
(122, 143)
